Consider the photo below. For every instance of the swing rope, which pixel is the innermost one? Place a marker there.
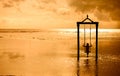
(84, 35)
(90, 34)
(90, 38)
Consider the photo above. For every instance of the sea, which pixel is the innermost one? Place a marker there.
(53, 52)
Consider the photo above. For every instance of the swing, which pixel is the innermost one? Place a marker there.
(87, 45)
(84, 43)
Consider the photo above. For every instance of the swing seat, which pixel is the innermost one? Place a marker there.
(88, 51)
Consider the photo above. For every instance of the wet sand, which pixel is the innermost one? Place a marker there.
(54, 54)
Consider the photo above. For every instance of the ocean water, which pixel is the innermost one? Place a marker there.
(53, 53)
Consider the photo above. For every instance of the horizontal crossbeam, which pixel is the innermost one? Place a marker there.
(87, 23)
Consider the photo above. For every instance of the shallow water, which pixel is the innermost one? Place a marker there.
(53, 53)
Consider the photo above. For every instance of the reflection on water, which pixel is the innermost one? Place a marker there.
(87, 68)
(78, 69)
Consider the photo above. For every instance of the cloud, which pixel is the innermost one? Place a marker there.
(55, 6)
(57, 13)
(9, 3)
(110, 7)
(36, 14)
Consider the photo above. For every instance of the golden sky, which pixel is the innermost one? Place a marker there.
(58, 13)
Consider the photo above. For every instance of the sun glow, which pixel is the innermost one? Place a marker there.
(88, 30)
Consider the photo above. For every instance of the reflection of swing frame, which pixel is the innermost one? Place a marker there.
(78, 36)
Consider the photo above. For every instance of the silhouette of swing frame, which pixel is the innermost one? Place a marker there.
(78, 36)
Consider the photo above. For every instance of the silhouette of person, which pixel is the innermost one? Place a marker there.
(87, 50)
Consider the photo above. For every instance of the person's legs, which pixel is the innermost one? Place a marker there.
(87, 54)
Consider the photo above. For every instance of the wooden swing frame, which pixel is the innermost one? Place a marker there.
(78, 36)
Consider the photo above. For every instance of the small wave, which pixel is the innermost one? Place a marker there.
(1, 36)
(11, 55)
(109, 58)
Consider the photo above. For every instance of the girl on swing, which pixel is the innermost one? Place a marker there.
(87, 50)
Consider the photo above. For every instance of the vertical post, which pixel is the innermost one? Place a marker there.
(78, 42)
(96, 41)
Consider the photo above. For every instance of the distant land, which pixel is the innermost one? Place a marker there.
(18, 30)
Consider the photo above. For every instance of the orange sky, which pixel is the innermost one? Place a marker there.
(57, 13)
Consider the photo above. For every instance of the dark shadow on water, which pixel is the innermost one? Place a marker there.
(89, 69)
(96, 68)
(78, 68)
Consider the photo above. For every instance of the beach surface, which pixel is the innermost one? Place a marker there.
(53, 53)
